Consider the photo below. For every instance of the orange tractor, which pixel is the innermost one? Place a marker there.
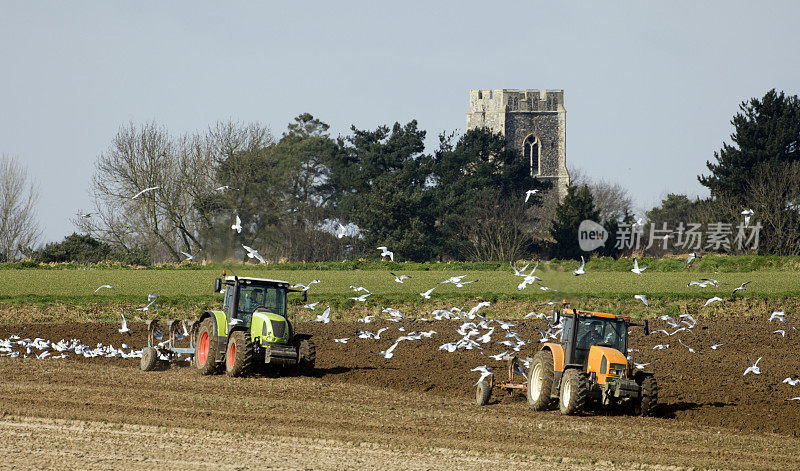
(589, 363)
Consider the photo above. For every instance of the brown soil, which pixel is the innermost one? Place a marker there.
(419, 405)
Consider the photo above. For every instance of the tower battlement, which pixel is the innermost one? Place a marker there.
(509, 100)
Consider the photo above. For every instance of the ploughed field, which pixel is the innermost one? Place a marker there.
(414, 410)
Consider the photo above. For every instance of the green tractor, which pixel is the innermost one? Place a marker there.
(252, 330)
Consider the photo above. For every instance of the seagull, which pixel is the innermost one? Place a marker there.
(453, 279)
(474, 311)
(461, 284)
(580, 270)
(640, 366)
(427, 294)
(238, 225)
(660, 347)
(484, 371)
(753, 369)
(325, 317)
(691, 258)
(385, 252)
(505, 325)
(545, 288)
(712, 300)
(342, 231)
(356, 289)
(361, 298)
(777, 315)
(307, 286)
(84, 215)
(714, 345)
(780, 331)
(518, 272)
(712, 281)
(225, 187)
(642, 298)
(253, 253)
(185, 332)
(487, 337)
(499, 356)
(124, 329)
(636, 268)
(145, 191)
(691, 320)
(669, 320)
(399, 278)
(105, 286)
(366, 319)
(747, 213)
(529, 193)
(311, 306)
(794, 398)
(344, 340)
(741, 288)
(388, 352)
(791, 382)
(691, 350)
(536, 315)
(187, 255)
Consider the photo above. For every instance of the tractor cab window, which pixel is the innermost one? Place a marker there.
(603, 332)
(252, 297)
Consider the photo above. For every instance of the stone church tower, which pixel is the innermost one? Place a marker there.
(534, 123)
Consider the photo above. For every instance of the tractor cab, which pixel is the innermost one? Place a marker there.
(244, 296)
(582, 330)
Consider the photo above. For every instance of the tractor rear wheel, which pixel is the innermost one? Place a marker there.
(239, 357)
(306, 357)
(149, 359)
(483, 392)
(649, 398)
(574, 389)
(205, 348)
(540, 381)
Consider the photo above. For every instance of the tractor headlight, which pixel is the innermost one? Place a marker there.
(620, 373)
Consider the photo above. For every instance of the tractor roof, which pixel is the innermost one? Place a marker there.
(594, 314)
(279, 283)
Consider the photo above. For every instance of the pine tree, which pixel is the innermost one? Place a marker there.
(577, 206)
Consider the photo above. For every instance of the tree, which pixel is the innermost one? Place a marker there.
(577, 206)
(19, 230)
(675, 208)
(378, 180)
(764, 130)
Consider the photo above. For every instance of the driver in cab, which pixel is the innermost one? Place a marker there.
(251, 302)
(593, 335)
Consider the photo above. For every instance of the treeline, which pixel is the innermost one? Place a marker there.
(307, 196)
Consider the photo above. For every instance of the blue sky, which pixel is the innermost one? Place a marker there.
(650, 88)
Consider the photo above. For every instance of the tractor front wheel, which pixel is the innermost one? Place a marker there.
(205, 348)
(239, 357)
(306, 357)
(574, 389)
(649, 397)
(540, 381)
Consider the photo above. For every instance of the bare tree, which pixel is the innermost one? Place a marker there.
(612, 200)
(19, 230)
(774, 193)
(499, 231)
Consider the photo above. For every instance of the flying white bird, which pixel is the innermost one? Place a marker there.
(253, 253)
(536, 315)
(691, 258)
(712, 300)
(474, 311)
(385, 252)
(187, 255)
(529, 193)
(453, 279)
(660, 347)
(669, 320)
(753, 369)
(356, 289)
(747, 213)
(499, 356)
(311, 306)
(237, 226)
(399, 278)
(325, 317)
(791, 382)
(518, 272)
(361, 298)
(427, 294)
(388, 352)
(366, 319)
(777, 315)
(691, 350)
(640, 366)
(84, 215)
(636, 268)
(105, 286)
(780, 331)
(344, 340)
(545, 288)
(742, 287)
(580, 271)
(484, 371)
(794, 398)
(225, 187)
(690, 321)
(643, 299)
(124, 328)
(714, 345)
(145, 191)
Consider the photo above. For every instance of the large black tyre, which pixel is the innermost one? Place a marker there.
(205, 349)
(573, 394)
(483, 392)
(149, 359)
(649, 398)
(239, 356)
(306, 357)
(540, 381)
